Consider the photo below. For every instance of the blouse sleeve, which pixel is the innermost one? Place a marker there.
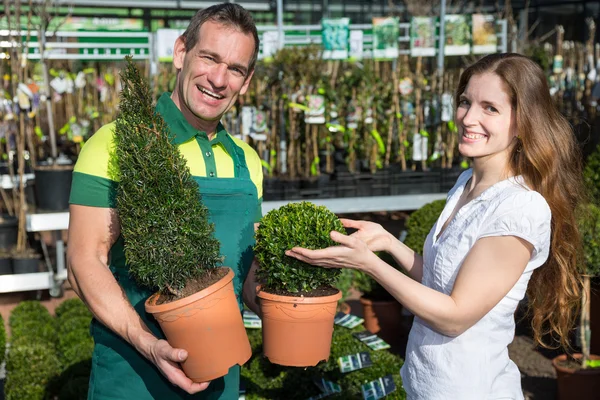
(525, 215)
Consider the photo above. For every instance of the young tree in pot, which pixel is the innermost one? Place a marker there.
(169, 242)
(298, 301)
(581, 377)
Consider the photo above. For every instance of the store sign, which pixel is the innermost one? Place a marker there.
(335, 38)
(165, 43)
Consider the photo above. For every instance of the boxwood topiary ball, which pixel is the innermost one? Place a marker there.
(296, 224)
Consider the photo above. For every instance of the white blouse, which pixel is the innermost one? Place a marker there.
(475, 365)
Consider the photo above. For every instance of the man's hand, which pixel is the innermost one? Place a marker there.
(167, 360)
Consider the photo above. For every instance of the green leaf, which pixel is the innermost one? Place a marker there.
(406, 143)
(452, 126)
(109, 78)
(38, 131)
(314, 165)
(593, 363)
(321, 91)
(424, 133)
(464, 164)
(298, 106)
(379, 141)
(266, 166)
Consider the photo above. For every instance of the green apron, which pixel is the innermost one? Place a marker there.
(118, 370)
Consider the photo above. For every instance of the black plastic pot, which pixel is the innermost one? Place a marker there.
(8, 231)
(53, 187)
(25, 265)
(6, 266)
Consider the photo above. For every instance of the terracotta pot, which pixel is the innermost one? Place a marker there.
(207, 324)
(344, 307)
(383, 317)
(297, 331)
(581, 384)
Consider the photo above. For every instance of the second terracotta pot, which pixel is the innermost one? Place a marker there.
(583, 384)
(207, 324)
(297, 331)
(383, 317)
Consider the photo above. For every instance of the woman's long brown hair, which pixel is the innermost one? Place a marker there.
(547, 156)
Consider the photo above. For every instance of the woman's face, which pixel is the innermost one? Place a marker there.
(485, 119)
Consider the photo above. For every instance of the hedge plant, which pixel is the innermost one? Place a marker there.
(591, 175)
(589, 228)
(30, 319)
(72, 307)
(368, 286)
(420, 222)
(168, 238)
(30, 369)
(270, 381)
(301, 224)
(2, 340)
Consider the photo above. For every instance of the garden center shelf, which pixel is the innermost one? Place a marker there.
(54, 278)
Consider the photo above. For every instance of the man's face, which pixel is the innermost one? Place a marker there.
(214, 72)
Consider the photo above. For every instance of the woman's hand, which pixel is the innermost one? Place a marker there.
(373, 235)
(353, 253)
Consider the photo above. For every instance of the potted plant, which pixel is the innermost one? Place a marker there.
(169, 241)
(381, 311)
(579, 375)
(297, 300)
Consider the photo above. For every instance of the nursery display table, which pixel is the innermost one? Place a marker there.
(56, 222)
(52, 279)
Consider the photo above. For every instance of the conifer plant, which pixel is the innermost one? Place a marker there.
(169, 241)
(168, 238)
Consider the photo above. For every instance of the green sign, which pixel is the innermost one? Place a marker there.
(385, 37)
(336, 35)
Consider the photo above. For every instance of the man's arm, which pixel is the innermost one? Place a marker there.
(92, 232)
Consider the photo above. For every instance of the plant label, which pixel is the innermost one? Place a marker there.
(378, 388)
(327, 387)
(251, 320)
(355, 361)
(371, 340)
(347, 320)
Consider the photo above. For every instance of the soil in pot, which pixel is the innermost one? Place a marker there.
(297, 331)
(208, 324)
(576, 383)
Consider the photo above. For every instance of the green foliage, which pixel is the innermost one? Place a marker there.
(74, 341)
(30, 368)
(296, 224)
(31, 320)
(168, 238)
(270, 381)
(2, 340)
(72, 307)
(345, 281)
(589, 228)
(420, 222)
(591, 175)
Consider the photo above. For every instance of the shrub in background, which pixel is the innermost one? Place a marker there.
(296, 224)
(591, 175)
(419, 224)
(2, 340)
(30, 368)
(72, 307)
(30, 319)
(270, 381)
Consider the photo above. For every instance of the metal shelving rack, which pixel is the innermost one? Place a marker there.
(56, 222)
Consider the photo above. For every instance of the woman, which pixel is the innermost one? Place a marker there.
(508, 221)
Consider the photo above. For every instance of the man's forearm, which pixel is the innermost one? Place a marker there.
(96, 286)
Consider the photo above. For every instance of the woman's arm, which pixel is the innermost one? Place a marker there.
(489, 271)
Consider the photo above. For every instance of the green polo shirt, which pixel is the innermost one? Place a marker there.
(95, 179)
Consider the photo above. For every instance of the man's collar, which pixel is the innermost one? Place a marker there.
(180, 130)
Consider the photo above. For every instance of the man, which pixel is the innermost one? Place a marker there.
(215, 60)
